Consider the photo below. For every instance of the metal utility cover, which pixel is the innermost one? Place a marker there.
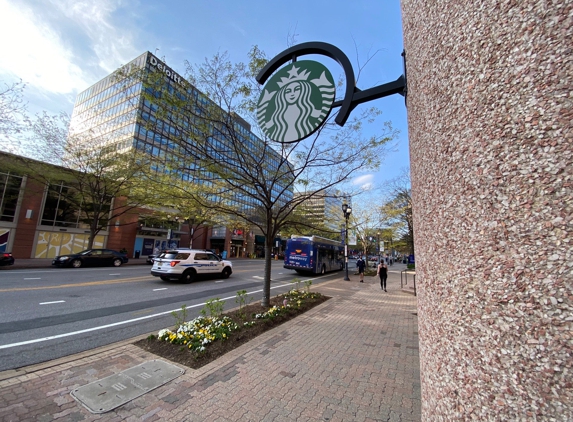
(111, 392)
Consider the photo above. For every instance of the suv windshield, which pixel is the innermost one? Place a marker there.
(174, 255)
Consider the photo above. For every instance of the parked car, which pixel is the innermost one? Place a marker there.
(91, 258)
(6, 258)
(150, 258)
(186, 264)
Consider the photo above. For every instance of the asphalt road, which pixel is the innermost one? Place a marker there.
(54, 312)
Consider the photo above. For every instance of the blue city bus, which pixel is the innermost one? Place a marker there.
(313, 255)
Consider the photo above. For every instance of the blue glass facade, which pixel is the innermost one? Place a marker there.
(115, 110)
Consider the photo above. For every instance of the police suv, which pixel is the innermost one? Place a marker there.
(186, 264)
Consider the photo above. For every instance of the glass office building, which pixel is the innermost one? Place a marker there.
(116, 111)
(326, 210)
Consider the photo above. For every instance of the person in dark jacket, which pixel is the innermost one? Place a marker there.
(361, 265)
(383, 273)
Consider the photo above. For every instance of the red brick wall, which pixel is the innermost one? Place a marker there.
(26, 227)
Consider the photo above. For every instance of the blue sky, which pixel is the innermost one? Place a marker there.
(61, 47)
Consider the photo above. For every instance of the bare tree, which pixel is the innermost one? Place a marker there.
(258, 181)
(12, 109)
(98, 179)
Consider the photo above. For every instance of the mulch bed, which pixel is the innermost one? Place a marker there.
(182, 355)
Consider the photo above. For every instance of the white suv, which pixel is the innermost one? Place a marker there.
(186, 264)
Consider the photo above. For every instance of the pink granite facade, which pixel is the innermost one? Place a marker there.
(490, 116)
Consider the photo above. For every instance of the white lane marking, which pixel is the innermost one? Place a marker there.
(129, 321)
(33, 278)
(116, 274)
(49, 303)
(156, 290)
(54, 270)
(220, 281)
(258, 277)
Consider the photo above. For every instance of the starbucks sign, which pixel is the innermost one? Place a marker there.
(296, 101)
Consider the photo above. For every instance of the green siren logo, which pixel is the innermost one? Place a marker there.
(296, 101)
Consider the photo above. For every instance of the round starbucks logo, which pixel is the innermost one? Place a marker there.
(296, 101)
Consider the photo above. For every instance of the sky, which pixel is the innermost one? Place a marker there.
(61, 47)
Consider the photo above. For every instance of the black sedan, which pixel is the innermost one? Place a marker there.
(150, 258)
(6, 258)
(91, 258)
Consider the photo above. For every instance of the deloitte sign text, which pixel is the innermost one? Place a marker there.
(162, 67)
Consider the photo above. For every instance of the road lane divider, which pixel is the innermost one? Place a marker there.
(142, 312)
(115, 324)
(83, 284)
(56, 301)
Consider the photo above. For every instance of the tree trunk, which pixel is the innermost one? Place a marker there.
(269, 239)
(267, 283)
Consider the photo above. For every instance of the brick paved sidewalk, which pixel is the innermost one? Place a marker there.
(353, 358)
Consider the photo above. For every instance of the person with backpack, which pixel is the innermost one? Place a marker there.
(361, 265)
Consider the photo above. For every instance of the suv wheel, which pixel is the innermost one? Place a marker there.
(226, 272)
(76, 263)
(117, 262)
(188, 276)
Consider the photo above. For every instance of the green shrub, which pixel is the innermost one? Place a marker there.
(181, 317)
(215, 307)
(242, 301)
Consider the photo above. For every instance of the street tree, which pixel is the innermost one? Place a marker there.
(258, 181)
(396, 209)
(173, 198)
(12, 110)
(97, 179)
(365, 222)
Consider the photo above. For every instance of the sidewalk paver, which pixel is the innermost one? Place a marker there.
(353, 358)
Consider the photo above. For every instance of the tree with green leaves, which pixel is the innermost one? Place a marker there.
(256, 180)
(396, 210)
(172, 197)
(97, 180)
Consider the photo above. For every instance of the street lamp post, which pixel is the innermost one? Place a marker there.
(191, 222)
(346, 210)
(378, 247)
(391, 250)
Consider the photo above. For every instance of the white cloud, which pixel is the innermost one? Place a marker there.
(112, 43)
(63, 46)
(363, 180)
(35, 52)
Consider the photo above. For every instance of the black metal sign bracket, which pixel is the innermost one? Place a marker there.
(353, 96)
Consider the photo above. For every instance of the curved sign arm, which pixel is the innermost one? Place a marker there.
(353, 96)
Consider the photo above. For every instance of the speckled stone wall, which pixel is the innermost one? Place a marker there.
(490, 118)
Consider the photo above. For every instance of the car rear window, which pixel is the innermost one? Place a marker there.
(174, 255)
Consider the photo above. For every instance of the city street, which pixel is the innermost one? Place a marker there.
(53, 312)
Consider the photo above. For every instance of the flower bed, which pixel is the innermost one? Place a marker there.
(200, 341)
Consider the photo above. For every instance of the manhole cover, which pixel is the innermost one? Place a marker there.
(111, 392)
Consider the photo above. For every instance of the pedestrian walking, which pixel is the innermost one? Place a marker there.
(361, 264)
(382, 271)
